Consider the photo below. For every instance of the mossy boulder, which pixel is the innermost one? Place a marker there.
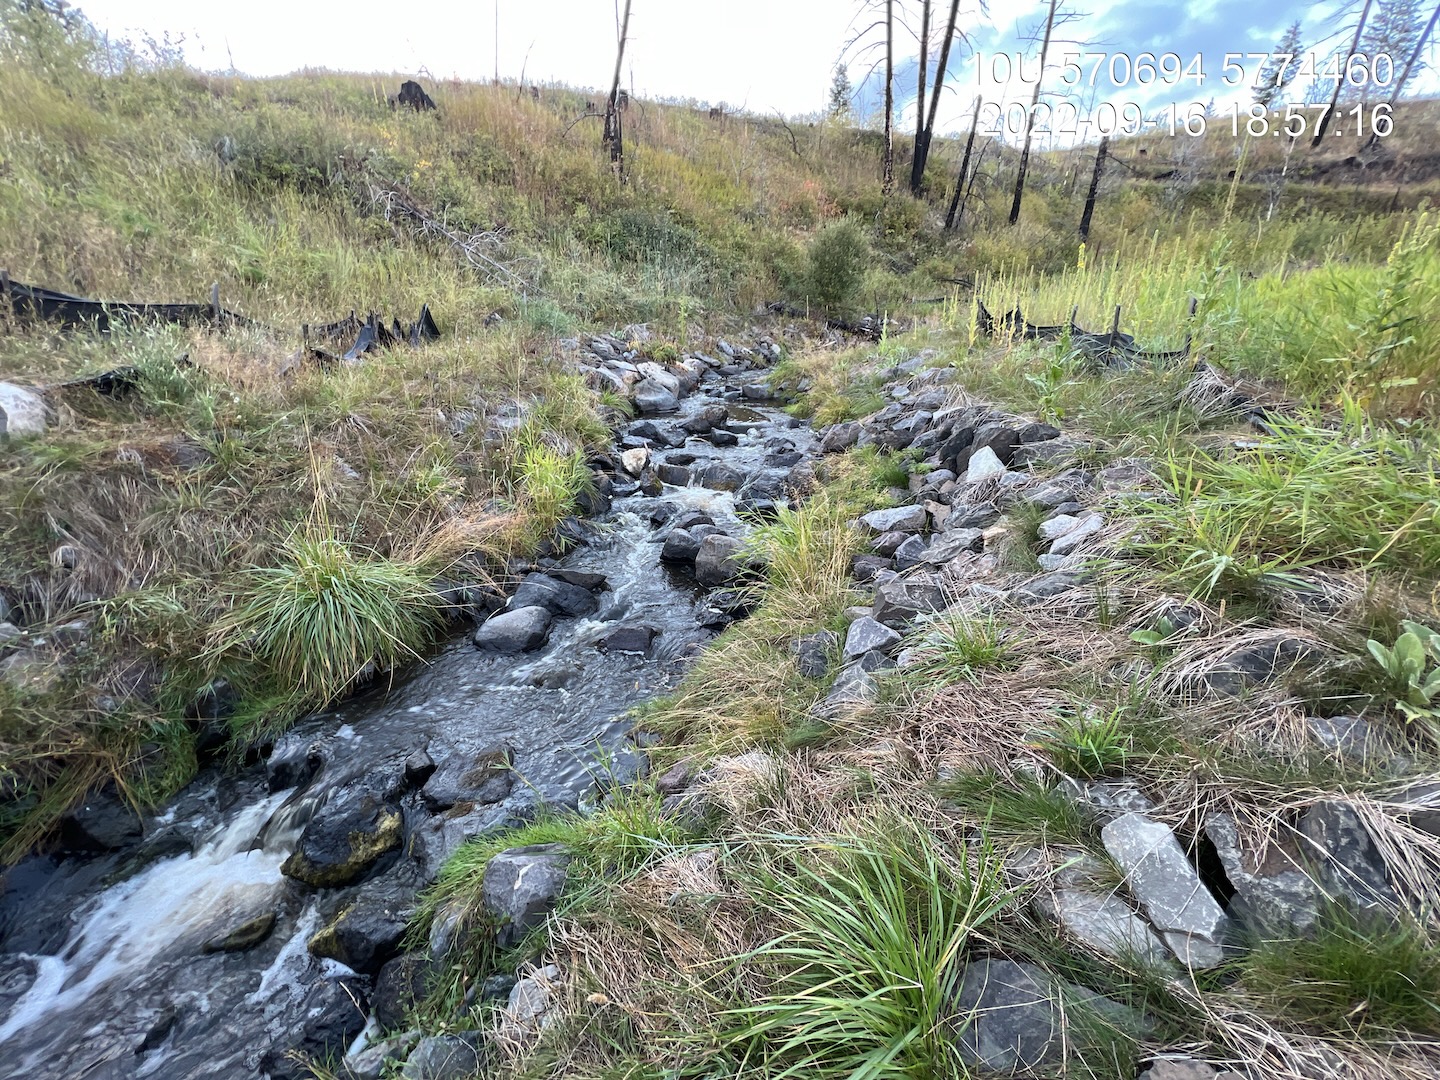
(346, 841)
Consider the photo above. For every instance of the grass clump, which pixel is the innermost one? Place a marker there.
(1371, 975)
(869, 958)
(956, 646)
(1089, 745)
(1018, 808)
(315, 622)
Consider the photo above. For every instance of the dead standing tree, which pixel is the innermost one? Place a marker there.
(950, 217)
(925, 133)
(1094, 187)
(614, 138)
(885, 22)
(1030, 115)
(1340, 82)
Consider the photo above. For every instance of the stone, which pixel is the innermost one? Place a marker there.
(720, 477)
(1011, 1016)
(102, 822)
(634, 461)
(813, 653)
(346, 840)
(1106, 800)
(400, 986)
(419, 767)
(866, 634)
(1190, 920)
(22, 411)
(1044, 453)
(966, 515)
(520, 887)
(905, 519)
(1045, 586)
(899, 601)
(529, 1009)
(479, 778)
(718, 562)
(1053, 528)
(674, 779)
(853, 686)
(1274, 896)
(628, 639)
(1256, 664)
(887, 543)
(704, 420)
(681, 546)
(910, 553)
(514, 631)
(247, 935)
(654, 396)
(840, 437)
(1033, 433)
(293, 761)
(556, 596)
(1105, 923)
(721, 437)
(983, 465)
(953, 544)
(674, 475)
(1077, 534)
(364, 935)
(1353, 739)
(1183, 1068)
(1347, 861)
(865, 567)
(375, 1059)
(445, 1057)
(331, 1015)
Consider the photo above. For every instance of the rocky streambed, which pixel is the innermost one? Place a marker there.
(246, 923)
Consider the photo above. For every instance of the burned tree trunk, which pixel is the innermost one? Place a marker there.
(920, 73)
(1335, 97)
(964, 167)
(1030, 117)
(922, 145)
(887, 175)
(1094, 187)
(614, 138)
(1409, 66)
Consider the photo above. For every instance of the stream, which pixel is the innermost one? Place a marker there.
(139, 962)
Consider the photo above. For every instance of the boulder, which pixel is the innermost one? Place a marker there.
(866, 634)
(904, 519)
(1077, 534)
(446, 1057)
(400, 986)
(634, 461)
(952, 545)
(374, 1061)
(718, 561)
(628, 639)
(1274, 896)
(983, 465)
(22, 411)
(514, 631)
(1179, 1068)
(720, 477)
(1347, 861)
(887, 543)
(964, 515)
(520, 887)
(675, 475)
(864, 567)
(556, 596)
(329, 1018)
(364, 935)
(853, 686)
(479, 779)
(910, 553)
(840, 437)
(419, 767)
(705, 419)
(657, 396)
(1256, 664)
(347, 839)
(1190, 920)
(900, 600)
(529, 1010)
(1103, 921)
(103, 822)
(246, 936)
(813, 652)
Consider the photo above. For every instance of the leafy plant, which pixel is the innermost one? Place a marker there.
(1412, 668)
(870, 957)
(837, 261)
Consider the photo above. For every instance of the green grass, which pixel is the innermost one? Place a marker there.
(1373, 976)
(1088, 745)
(1017, 808)
(956, 646)
(868, 963)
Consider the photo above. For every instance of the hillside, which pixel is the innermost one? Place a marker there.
(749, 630)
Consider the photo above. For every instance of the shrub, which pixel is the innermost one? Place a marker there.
(839, 255)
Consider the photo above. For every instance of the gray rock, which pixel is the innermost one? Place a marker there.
(1048, 585)
(1105, 922)
(628, 639)
(652, 396)
(905, 519)
(984, 463)
(1257, 664)
(853, 686)
(530, 1008)
(419, 767)
(9, 632)
(813, 653)
(1167, 887)
(705, 419)
(966, 515)
(1347, 862)
(718, 561)
(900, 600)
(1033, 433)
(840, 437)
(910, 553)
(1077, 534)
(887, 543)
(1045, 453)
(514, 631)
(22, 411)
(445, 1057)
(953, 544)
(371, 1062)
(634, 461)
(1107, 799)
(866, 634)
(1012, 1017)
(520, 887)
(1180, 1068)
(329, 1018)
(365, 934)
(682, 545)
(1053, 528)
(400, 986)
(720, 477)
(556, 596)
(865, 567)
(675, 475)
(103, 822)
(1274, 897)
(351, 837)
(479, 779)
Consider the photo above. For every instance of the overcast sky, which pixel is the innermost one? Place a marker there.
(762, 55)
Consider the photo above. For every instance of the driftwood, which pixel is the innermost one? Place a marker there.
(1112, 348)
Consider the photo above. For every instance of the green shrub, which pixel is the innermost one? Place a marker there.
(839, 256)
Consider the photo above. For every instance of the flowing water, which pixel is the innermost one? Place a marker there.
(103, 967)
